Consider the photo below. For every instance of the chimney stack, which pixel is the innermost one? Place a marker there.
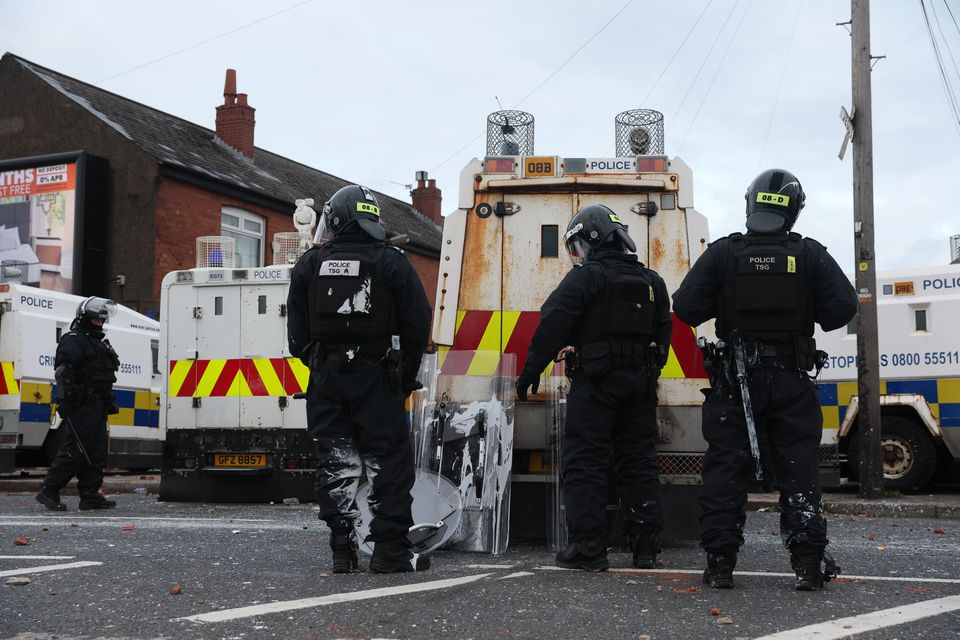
(235, 119)
(427, 198)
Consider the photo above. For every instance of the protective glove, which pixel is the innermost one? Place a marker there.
(409, 386)
(526, 381)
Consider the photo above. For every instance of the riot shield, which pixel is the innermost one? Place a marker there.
(466, 436)
(437, 511)
(555, 387)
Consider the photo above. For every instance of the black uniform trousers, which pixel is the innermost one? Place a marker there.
(614, 414)
(786, 407)
(89, 423)
(356, 417)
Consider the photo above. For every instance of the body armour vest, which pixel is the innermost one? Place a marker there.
(98, 368)
(625, 311)
(349, 296)
(765, 292)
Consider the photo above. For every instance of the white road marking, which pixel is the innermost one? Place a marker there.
(49, 567)
(517, 574)
(335, 598)
(37, 557)
(765, 574)
(855, 625)
(153, 522)
(490, 566)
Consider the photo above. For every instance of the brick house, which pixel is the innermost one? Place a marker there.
(169, 181)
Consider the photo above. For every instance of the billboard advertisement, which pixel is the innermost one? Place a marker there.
(53, 221)
(37, 216)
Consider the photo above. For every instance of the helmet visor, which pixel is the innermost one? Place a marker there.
(324, 232)
(102, 308)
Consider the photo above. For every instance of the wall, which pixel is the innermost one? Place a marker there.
(36, 119)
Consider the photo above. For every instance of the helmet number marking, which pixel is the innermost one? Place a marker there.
(366, 207)
(773, 198)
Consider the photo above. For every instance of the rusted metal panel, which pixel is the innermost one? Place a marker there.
(529, 278)
(448, 277)
(480, 278)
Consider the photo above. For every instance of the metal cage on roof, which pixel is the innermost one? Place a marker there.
(639, 132)
(13, 271)
(510, 133)
(288, 246)
(954, 249)
(216, 251)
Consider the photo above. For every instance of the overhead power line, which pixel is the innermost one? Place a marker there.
(716, 72)
(776, 98)
(200, 44)
(545, 80)
(706, 58)
(944, 77)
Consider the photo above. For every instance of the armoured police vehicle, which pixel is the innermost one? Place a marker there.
(917, 311)
(502, 255)
(31, 323)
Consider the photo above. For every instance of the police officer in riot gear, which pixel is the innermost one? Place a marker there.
(359, 318)
(85, 370)
(616, 314)
(766, 289)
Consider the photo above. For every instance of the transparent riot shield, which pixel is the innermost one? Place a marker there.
(555, 387)
(437, 511)
(465, 435)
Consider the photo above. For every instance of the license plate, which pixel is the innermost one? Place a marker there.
(239, 459)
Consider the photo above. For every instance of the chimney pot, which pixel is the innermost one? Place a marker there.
(235, 117)
(427, 198)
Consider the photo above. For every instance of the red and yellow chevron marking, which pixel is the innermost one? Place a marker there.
(481, 336)
(243, 377)
(8, 383)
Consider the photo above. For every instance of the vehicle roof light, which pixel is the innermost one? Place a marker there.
(495, 164)
(653, 164)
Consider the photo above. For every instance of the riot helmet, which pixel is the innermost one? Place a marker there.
(353, 203)
(774, 200)
(96, 308)
(593, 226)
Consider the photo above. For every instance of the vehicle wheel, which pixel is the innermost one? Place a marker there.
(909, 454)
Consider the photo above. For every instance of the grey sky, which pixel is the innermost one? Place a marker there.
(374, 91)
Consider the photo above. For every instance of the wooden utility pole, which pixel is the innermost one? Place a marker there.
(868, 358)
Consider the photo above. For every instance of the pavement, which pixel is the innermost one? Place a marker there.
(153, 570)
(944, 504)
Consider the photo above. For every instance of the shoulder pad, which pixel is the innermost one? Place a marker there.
(815, 243)
(732, 236)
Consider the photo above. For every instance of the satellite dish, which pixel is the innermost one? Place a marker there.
(639, 141)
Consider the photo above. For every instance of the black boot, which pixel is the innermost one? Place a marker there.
(344, 546)
(51, 500)
(589, 555)
(808, 563)
(719, 572)
(645, 547)
(90, 501)
(397, 557)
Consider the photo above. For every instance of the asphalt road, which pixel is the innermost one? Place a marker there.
(94, 576)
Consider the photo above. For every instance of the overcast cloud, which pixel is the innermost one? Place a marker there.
(374, 91)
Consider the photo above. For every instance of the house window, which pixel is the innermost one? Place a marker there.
(246, 229)
(920, 319)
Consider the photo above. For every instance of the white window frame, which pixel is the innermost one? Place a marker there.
(246, 216)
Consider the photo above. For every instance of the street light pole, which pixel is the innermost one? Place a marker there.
(868, 358)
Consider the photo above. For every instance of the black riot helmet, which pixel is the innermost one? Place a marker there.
(593, 226)
(94, 307)
(350, 204)
(774, 200)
